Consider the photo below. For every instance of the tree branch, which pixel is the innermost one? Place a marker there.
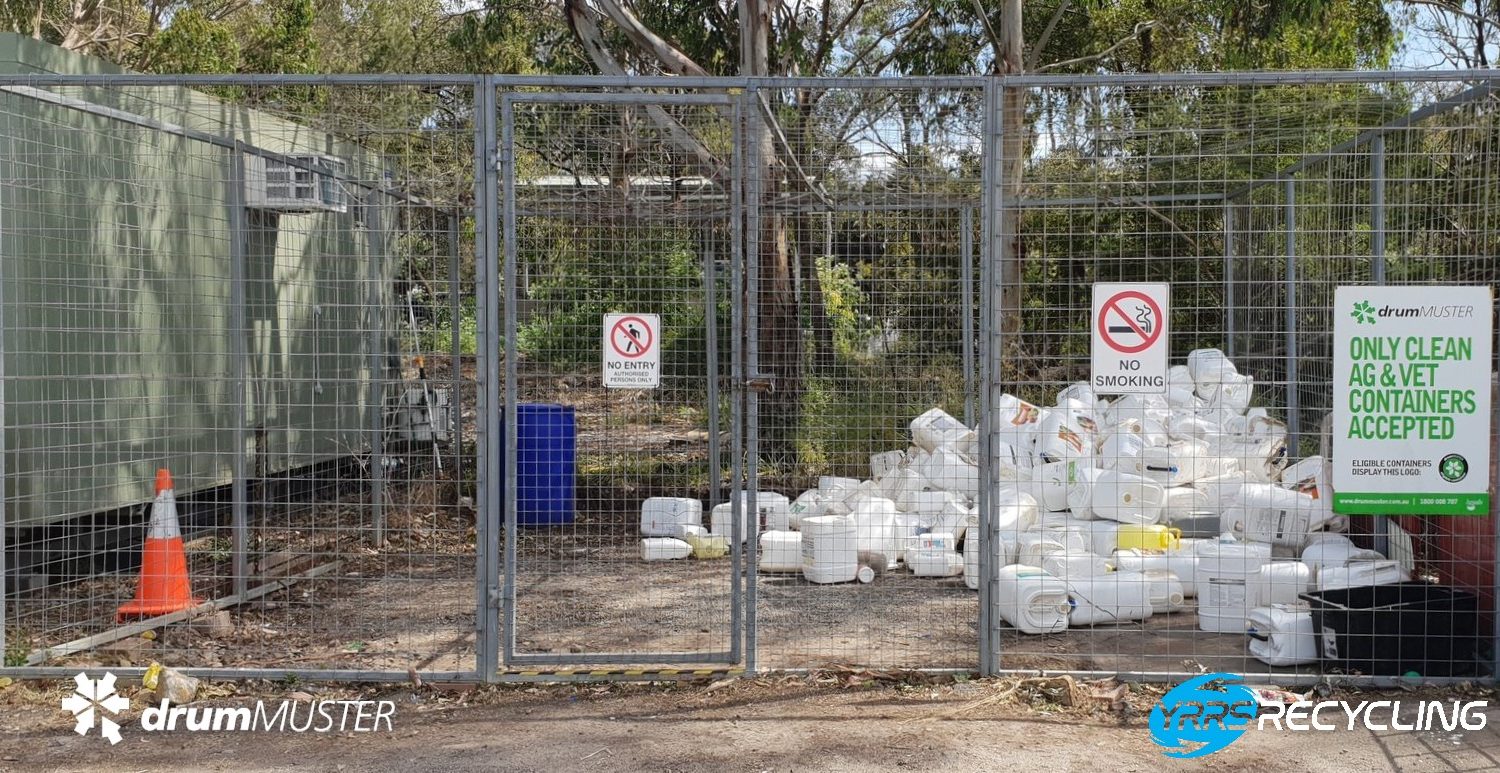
(581, 21)
(902, 29)
(989, 31)
(1464, 13)
(1134, 35)
(671, 59)
(1041, 42)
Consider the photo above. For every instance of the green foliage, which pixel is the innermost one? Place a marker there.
(194, 43)
(650, 270)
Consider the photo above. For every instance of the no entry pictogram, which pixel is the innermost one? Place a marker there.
(631, 337)
(1130, 322)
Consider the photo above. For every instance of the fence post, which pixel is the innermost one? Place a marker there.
(992, 199)
(1229, 237)
(966, 251)
(239, 488)
(510, 430)
(742, 590)
(1293, 398)
(375, 330)
(1381, 524)
(455, 365)
(491, 512)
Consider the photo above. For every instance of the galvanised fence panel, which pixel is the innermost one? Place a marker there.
(366, 323)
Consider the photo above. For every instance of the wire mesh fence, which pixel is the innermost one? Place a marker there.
(470, 376)
(262, 292)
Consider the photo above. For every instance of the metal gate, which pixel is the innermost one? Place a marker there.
(654, 177)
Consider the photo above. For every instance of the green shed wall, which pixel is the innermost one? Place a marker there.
(115, 282)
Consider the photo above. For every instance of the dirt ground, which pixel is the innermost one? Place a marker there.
(752, 725)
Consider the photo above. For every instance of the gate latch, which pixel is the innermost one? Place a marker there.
(761, 383)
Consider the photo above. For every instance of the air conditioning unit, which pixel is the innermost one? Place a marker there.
(311, 184)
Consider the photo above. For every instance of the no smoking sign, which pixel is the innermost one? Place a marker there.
(632, 351)
(1129, 346)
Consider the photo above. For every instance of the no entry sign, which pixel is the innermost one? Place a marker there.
(1129, 323)
(632, 351)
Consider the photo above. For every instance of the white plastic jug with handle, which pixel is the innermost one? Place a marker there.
(1183, 501)
(951, 471)
(1126, 498)
(1182, 563)
(1032, 600)
(1176, 464)
(1165, 590)
(1049, 485)
(1180, 387)
(1361, 572)
(664, 549)
(1282, 635)
(876, 528)
(952, 517)
(1017, 422)
(1281, 582)
(1033, 547)
(1265, 512)
(1003, 553)
(936, 429)
(927, 503)
(1080, 391)
(1066, 435)
(1070, 564)
(885, 461)
(935, 555)
(1081, 479)
(806, 505)
(1233, 391)
(1209, 366)
(902, 485)
(1120, 450)
(661, 516)
(1258, 458)
(1115, 597)
(1102, 536)
(780, 551)
(1221, 490)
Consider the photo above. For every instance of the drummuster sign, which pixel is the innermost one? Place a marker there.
(1411, 416)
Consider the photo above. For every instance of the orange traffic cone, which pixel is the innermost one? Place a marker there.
(164, 583)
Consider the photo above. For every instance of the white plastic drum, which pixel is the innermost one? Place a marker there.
(830, 552)
(1227, 572)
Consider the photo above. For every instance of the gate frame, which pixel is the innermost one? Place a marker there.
(505, 169)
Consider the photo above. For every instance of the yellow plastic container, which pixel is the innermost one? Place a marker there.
(1133, 536)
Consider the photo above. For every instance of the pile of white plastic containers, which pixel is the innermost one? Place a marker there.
(1108, 511)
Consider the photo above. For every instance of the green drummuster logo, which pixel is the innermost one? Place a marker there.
(1453, 468)
(1364, 313)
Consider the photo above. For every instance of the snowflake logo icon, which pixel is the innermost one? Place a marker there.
(91, 694)
(1364, 313)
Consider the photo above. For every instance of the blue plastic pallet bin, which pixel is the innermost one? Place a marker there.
(546, 463)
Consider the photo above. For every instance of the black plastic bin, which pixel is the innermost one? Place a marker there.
(1396, 629)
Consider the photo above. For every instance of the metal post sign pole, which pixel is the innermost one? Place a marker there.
(1411, 374)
